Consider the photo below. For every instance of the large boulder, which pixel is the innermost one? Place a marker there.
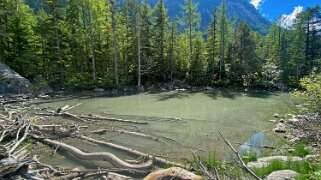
(282, 175)
(11, 82)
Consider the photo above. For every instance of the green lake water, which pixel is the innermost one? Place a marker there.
(237, 114)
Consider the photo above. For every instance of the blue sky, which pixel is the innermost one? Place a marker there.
(273, 9)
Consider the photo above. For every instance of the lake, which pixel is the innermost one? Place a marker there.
(181, 120)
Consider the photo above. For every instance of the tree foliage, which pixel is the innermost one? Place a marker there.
(82, 44)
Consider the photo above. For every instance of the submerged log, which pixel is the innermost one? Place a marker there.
(121, 131)
(132, 151)
(104, 156)
(96, 117)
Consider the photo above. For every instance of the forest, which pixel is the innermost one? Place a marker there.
(82, 44)
(239, 98)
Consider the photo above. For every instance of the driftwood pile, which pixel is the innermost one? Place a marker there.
(20, 130)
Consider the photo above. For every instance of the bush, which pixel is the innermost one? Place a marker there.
(271, 75)
(312, 91)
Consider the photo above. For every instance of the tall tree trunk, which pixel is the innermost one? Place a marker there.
(307, 44)
(115, 42)
(17, 6)
(139, 83)
(172, 52)
(60, 63)
(92, 46)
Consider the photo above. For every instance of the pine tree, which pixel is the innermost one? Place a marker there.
(114, 23)
(245, 62)
(160, 29)
(191, 20)
(223, 38)
(212, 48)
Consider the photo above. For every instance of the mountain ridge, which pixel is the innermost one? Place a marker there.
(239, 10)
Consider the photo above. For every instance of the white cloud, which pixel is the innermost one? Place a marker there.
(257, 3)
(287, 20)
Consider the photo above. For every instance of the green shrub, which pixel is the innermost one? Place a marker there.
(301, 150)
(311, 95)
(305, 168)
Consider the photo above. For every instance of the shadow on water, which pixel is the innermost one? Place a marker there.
(232, 94)
(163, 96)
(171, 95)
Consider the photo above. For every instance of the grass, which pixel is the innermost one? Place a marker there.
(250, 157)
(225, 169)
(305, 168)
(301, 150)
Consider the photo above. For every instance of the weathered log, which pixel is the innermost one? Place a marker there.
(132, 151)
(147, 136)
(59, 125)
(96, 117)
(120, 131)
(62, 109)
(104, 156)
(18, 142)
(172, 173)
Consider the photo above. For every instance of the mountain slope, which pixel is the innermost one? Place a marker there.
(239, 10)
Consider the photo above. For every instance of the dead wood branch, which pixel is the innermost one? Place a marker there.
(132, 151)
(18, 142)
(202, 167)
(239, 158)
(120, 131)
(96, 117)
(105, 156)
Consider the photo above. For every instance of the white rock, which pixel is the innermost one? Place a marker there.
(280, 127)
(293, 120)
(282, 175)
(265, 161)
(273, 120)
(276, 115)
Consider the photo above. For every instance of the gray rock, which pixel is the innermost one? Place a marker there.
(273, 120)
(265, 161)
(276, 115)
(293, 120)
(280, 127)
(294, 140)
(282, 175)
(12, 83)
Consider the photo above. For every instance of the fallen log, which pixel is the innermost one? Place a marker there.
(62, 114)
(172, 173)
(96, 117)
(132, 151)
(18, 142)
(147, 136)
(104, 156)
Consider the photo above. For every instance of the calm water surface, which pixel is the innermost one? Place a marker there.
(238, 115)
